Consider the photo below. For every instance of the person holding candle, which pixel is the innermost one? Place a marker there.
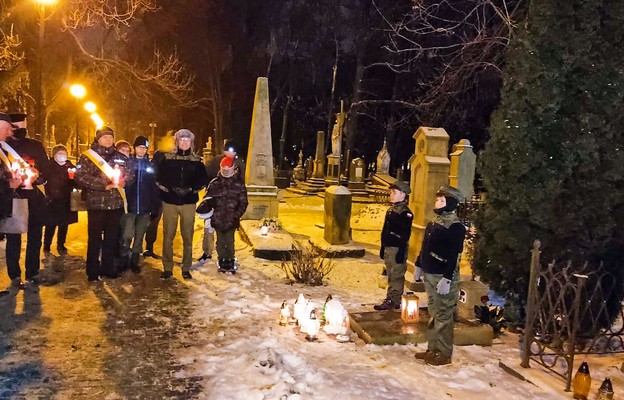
(32, 159)
(105, 198)
(58, 190)
(180, 176)
(8, 181)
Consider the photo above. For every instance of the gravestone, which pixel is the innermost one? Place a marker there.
(298, 171)
(463, 164)
(261, 189)
(357, 170)
(430, 167)
(315, 181)
(337, 215)
(383, 160)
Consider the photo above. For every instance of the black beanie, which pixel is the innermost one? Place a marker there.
(141, 141)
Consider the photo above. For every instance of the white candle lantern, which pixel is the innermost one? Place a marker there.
(299, 307)
(264, 230)
(314, 325)
(335, 315)
(284, 315)
(116, 175)
(409, 307)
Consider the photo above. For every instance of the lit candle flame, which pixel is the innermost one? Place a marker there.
(116, 175)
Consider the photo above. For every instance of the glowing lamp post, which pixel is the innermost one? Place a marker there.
(409, 307)
(77, 91)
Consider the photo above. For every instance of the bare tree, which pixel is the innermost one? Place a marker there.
(10, 55)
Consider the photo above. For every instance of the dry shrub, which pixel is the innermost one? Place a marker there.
(307, 266)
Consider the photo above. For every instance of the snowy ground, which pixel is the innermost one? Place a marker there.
(217, 337)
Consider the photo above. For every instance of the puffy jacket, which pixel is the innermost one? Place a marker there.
(93, 182)
(230, 197)
(58, 191)
(442, 244)
(143, 196)
(180, 175)
(397, 226)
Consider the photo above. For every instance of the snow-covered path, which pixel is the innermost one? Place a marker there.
(217, 337)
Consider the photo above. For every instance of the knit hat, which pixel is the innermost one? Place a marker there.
(121, 144)
(227, 167)
(57, 148)
(184, 133)
(141, 141)
(105, 130)
(206, 205)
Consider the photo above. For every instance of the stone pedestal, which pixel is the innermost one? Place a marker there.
(263, 202)
(470, 293)
(337, 215)
(357, 186)
(315, 176)
(463, 164)
(333, 170)
(430, 170)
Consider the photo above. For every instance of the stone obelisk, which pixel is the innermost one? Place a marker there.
(261, 189)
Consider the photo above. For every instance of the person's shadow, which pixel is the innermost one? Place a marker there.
(18, 368)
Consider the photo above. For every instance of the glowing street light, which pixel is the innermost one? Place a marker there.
(97, 120)
(46, 2)
(78, 91)
(90, 106)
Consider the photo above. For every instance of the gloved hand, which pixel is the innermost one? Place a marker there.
(400, 257)
(181, 192)
(381, 252)
(444, 286)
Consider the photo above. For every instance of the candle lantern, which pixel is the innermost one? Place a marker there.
(299, 307)
(116, 175)
(264, 230)
(284, 314)
(409, 307)
(336, 317)
(313, 326)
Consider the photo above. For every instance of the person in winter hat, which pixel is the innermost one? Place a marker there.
(395, 236)
(105, 198)
(180, 176)
(230, 196)
(123, 147)
(230, 149)
(58, 192)
(143, 200)
(32, 152)
(204, 210)
(442, 245)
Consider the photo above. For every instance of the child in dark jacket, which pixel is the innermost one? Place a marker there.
(143, 200)
(230, 199)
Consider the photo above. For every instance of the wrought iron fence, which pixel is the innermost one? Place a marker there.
(569, 312)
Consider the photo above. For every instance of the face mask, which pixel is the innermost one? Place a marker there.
(60, 159)
(19, 133)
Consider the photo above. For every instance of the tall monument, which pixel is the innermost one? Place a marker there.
(261, 189)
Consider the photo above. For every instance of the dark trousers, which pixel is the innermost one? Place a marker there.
(225, 243)
(61, 236)
(103, 231)
(152, 229)
(33, 251)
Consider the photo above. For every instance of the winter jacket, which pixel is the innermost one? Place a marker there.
(143, 196)
(34, 154)
(230, 197)
(58, 191)
(180, 175)
(442, 244)
(6, 193)
(93, 182)
(397, 226)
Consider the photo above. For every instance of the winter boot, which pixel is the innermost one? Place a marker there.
(187, 275)
(166, 275)
(387, 304)
(62, 250)
(124, 264)
(134, 263)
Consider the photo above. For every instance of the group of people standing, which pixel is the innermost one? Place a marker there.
(124, 193)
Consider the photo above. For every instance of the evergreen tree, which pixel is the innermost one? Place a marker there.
(553, 167)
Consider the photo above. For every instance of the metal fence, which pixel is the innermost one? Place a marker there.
(571, 310)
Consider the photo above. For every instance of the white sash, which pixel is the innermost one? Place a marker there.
(107, 170)
(13, 157)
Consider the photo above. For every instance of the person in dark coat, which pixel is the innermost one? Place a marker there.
(395, 235)
(180, 176)
(143, 200)
(441, 248)
(8, 181)
(230, 199)
(104, 198)
(33, 154)
(58, 189)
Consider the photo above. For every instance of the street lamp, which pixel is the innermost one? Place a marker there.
(153, 126)
(78, 91)
(40, 106)
(97, 120)
(90, 107)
